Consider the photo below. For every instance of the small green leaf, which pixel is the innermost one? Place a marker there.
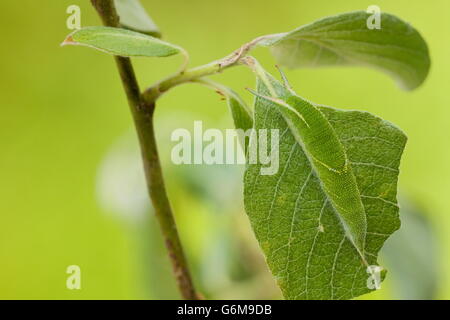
(301, 224)
(397, 48)
(415, 244)
(239, 111)
(134, 17)
(241, 117)
(121, 42)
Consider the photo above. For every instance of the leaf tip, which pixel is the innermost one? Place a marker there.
(68, 41)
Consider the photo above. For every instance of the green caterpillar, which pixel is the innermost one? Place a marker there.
(326, 153)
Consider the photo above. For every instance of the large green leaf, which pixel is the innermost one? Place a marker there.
(293, 213)
(134, 17)
(397, 48)
(121, 42)
(329, 161)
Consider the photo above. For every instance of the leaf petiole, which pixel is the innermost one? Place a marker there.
(233, 59)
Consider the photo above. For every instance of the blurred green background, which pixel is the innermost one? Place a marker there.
(71, 186)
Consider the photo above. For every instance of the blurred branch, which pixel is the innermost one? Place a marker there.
(143, 118)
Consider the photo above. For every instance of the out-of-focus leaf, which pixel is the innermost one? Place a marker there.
(302, 232)
(121, 187)
(121, 42)
(122, 194)
(411, 255)
(134, 17)
(397, 48)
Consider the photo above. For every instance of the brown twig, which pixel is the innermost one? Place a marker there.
(142, 111)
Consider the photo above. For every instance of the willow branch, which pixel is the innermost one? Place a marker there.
(142, 111)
